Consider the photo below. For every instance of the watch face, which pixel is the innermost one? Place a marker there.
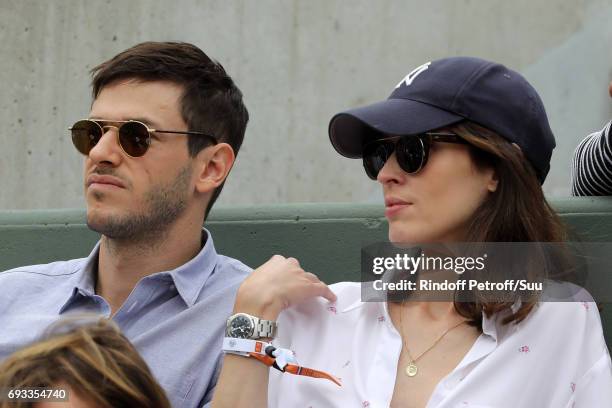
(240, 327)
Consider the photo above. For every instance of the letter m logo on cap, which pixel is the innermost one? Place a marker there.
(413, 74)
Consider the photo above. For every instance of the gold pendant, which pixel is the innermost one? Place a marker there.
(411, 370)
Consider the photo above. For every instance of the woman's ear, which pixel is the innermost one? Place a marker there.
(214, 164)
(493, 182)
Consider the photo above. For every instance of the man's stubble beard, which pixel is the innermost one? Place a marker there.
(164, 204)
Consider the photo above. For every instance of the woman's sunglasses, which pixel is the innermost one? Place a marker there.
(133, 136)
(410, 151)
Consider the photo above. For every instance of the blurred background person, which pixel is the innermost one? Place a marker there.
(592, 164)
(94, 363)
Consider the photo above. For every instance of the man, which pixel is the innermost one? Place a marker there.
(164, 128)
(592, 166)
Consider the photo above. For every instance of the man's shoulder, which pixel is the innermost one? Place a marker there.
(233, 266)
(53, 270)
(33, 291)
(230, 271)
(221, 286)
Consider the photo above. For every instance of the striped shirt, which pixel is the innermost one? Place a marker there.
(592, 165)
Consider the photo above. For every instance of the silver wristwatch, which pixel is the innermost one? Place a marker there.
(245, 326)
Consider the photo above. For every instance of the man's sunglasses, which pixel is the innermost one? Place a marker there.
(133, 136)
(410, 151)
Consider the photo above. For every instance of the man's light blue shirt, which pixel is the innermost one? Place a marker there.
(176, 319)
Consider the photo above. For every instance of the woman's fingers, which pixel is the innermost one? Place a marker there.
(314, 289)
(311, 277)
(326, 292)
(293, 261)
(280, 283)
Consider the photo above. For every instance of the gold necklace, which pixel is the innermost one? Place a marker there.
(412, 369)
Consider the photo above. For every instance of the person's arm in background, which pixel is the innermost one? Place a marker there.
(271, 288)
(592, 164)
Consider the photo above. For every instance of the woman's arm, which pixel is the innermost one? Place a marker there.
(271, 288)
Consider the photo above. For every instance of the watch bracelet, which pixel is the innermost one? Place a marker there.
(265, 329)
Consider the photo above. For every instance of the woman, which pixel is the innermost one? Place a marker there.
(87, 366)
(460, 148)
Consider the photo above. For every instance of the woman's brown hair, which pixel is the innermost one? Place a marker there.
(516, 212)
(95, 361)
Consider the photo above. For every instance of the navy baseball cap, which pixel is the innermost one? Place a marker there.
(448, 91)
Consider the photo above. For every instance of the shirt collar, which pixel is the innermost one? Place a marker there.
(82, 282)
(489, 326)
(189, 278)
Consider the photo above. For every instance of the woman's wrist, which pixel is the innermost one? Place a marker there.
(259, 303)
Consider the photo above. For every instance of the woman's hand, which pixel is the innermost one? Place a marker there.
(277, 285)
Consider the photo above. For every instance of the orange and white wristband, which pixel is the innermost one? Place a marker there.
(282, 359)
(243, 347)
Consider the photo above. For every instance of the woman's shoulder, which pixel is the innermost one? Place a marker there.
(565, 307)
(570, 303)
(569, 325)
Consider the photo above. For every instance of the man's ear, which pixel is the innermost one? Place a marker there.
(213, 165)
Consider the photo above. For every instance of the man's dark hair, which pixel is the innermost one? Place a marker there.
(211, 102)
